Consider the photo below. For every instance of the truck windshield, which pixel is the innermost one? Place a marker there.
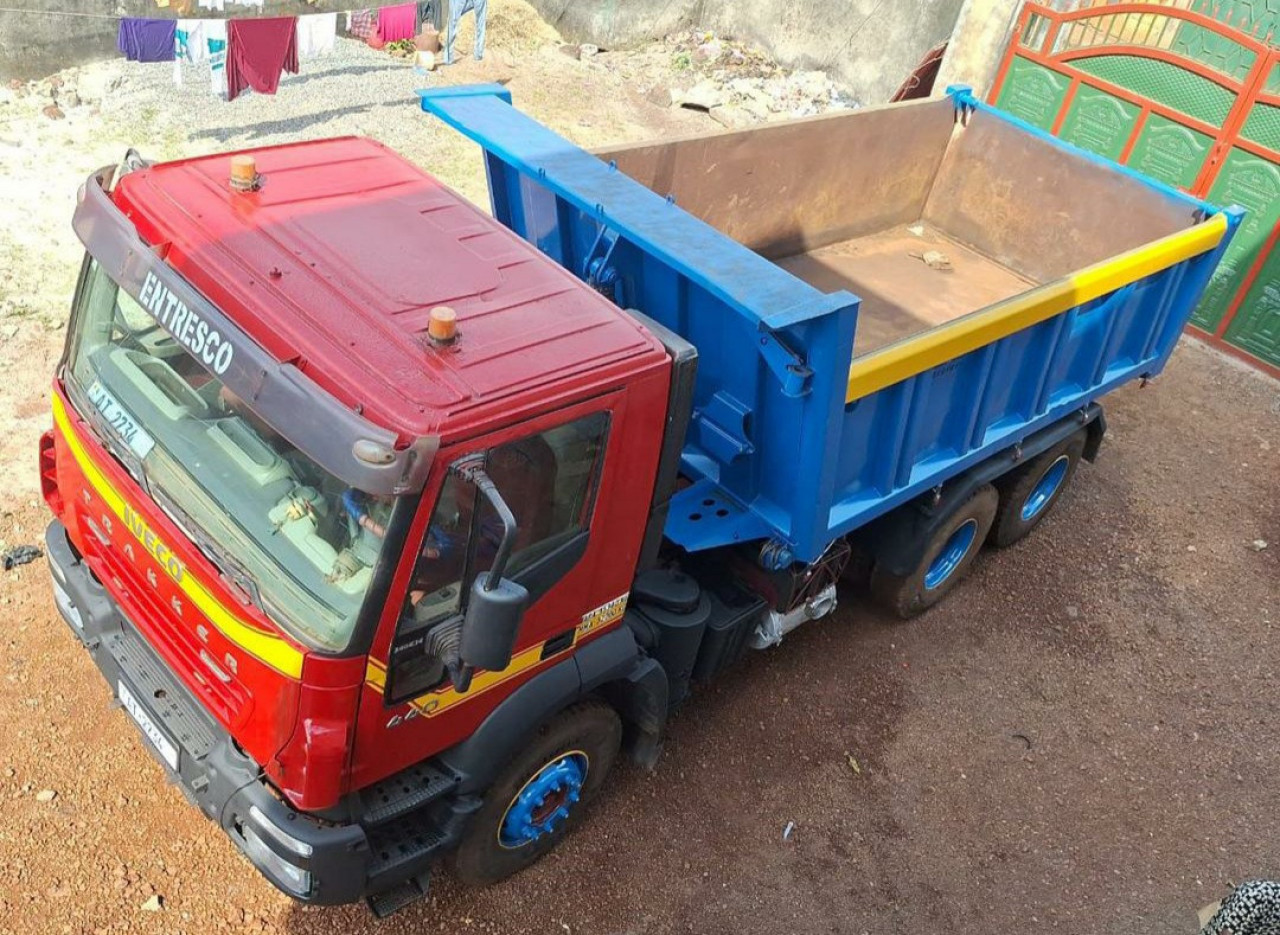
(296, 539)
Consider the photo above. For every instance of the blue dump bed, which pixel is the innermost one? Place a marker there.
(879, 299)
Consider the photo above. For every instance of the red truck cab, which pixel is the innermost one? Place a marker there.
(307, 422)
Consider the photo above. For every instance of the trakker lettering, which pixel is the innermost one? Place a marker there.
(153, 544)
(201, 338)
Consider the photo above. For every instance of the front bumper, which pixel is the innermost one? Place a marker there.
(311, 860)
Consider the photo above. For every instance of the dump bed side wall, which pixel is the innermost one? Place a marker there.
(899, 441)
(785, 188)
(1040, 208)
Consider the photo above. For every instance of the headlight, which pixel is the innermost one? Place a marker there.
(296, 879)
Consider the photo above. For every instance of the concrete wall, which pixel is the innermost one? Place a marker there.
(868, 45)
(33, 45)
(982, 33)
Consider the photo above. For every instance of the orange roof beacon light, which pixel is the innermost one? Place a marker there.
(443, 326)
(244, 173)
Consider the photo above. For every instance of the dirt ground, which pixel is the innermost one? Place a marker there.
(1085, 738)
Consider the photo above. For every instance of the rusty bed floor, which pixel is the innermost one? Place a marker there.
(901, 295)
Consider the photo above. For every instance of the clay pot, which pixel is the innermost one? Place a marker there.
(428, 40)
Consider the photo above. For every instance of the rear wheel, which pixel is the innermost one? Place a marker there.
(541, 794)
(1030, 492)
(945, 560)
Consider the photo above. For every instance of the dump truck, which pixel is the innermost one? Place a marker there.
(393, 523)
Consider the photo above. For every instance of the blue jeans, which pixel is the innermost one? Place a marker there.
(456, 10)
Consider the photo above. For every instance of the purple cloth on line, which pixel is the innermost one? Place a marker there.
(146, 40)
(398, 22)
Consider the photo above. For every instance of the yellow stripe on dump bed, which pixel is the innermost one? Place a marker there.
(266, 647)
(915, 355)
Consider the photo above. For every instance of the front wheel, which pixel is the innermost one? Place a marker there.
(541, 794)
(944, 562)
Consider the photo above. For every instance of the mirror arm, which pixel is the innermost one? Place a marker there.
(473, 472)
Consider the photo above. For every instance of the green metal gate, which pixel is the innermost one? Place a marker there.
(1187, 99)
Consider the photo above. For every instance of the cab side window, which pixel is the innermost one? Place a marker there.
(549, 480)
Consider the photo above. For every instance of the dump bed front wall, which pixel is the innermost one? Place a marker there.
(788, 187)
(1042, 209)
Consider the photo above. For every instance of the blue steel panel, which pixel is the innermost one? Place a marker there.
(775, 450)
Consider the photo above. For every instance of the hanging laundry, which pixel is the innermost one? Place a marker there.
(317, 33)
(398, 22)
(258, 50)
(215, 41)
(190, 41)
(146, 40)
(188, 45)
(218, 5)
(428, 13)
(361, 23)
(257, 3)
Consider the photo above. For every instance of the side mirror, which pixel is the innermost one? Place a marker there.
(492, 623)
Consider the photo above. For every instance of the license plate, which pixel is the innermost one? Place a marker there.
(121, 422)
(167, 749)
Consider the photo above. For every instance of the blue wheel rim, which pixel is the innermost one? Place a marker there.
(544, 802)
(951, 556)
(1045, 489)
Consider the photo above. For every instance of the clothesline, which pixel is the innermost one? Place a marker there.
(5, 9)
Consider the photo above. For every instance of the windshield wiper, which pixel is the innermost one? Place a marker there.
(231, 571)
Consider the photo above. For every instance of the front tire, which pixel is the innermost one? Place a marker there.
(541, 794)
(944, 562)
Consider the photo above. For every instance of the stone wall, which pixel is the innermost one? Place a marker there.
(868, 45)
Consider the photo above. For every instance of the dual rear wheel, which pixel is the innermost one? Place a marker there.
(998, 514)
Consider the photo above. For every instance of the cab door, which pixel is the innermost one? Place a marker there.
(576, 548)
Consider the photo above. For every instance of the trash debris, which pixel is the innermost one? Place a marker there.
(786, 832)
(916, 229)
(853, 763)
(586, 50)
(703, 96)
(935, 259)
(154, 904)
(46, 795)
(1258, 545)
(20, 555)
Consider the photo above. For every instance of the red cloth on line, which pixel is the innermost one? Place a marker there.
(258, 50)
(398, 22)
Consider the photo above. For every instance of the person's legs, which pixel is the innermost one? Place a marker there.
(482, 10)
(456, 9)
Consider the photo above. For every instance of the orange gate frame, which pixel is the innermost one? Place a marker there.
(1035, 38)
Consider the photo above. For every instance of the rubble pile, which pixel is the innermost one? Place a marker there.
(732, 82)
(56, 95)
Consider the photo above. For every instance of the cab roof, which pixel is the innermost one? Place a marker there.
(335, 263)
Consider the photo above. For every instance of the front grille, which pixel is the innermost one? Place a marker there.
(227, 700)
